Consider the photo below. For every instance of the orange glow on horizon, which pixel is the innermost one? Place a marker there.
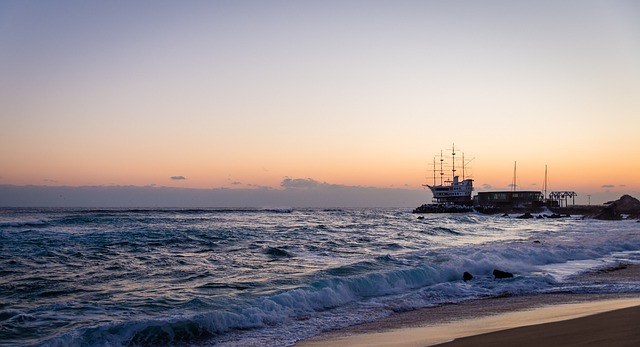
(236, 104)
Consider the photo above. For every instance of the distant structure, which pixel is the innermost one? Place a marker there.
(453, 194)
(558, 197)
(509, 199)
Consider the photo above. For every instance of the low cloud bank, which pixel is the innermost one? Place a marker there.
(304, 183)
(295, 193)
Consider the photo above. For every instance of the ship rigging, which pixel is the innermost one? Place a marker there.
(451, 191)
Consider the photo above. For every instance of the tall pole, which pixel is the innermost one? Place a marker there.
(545, 181)
(514, 176)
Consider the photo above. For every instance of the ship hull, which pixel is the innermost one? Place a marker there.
(443, 208)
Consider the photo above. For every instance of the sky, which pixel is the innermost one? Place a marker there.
(250, 95)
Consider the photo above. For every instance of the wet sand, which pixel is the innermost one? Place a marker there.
(614, 329)
(509, 320)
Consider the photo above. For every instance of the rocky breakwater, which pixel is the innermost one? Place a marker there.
(616, 210)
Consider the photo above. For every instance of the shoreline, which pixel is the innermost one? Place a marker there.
(445, 323)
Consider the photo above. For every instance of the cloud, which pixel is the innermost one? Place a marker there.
(178, 178)
(259, 186)
(487, 186)
(236, 183)
(50, 180)
(300, 183)
(324, 195)
(608, 185)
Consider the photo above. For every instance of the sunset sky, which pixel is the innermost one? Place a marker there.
(245, 94)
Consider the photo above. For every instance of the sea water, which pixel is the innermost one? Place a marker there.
(246, 277)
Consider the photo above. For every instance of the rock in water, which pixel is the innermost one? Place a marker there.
(467, 276)
(277, 253)
(501, 274)
(609, 213)
(525, 216)
(627, 204)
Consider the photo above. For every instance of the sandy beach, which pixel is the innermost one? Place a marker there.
(613, 328)
(552, 319)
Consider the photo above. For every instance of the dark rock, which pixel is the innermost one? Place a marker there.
(420, 217)
(536, 241)
(277, 252)
(626, 204)
(525, 216)
(505, 215)
(467, 276)
(501, 274)
(609, 213)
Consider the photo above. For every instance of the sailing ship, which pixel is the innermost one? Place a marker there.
(452, 194)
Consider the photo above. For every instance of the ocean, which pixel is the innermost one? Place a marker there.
(270, 277)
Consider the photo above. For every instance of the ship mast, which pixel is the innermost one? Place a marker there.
(441, 172)
(453, 161)
(434, 171)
